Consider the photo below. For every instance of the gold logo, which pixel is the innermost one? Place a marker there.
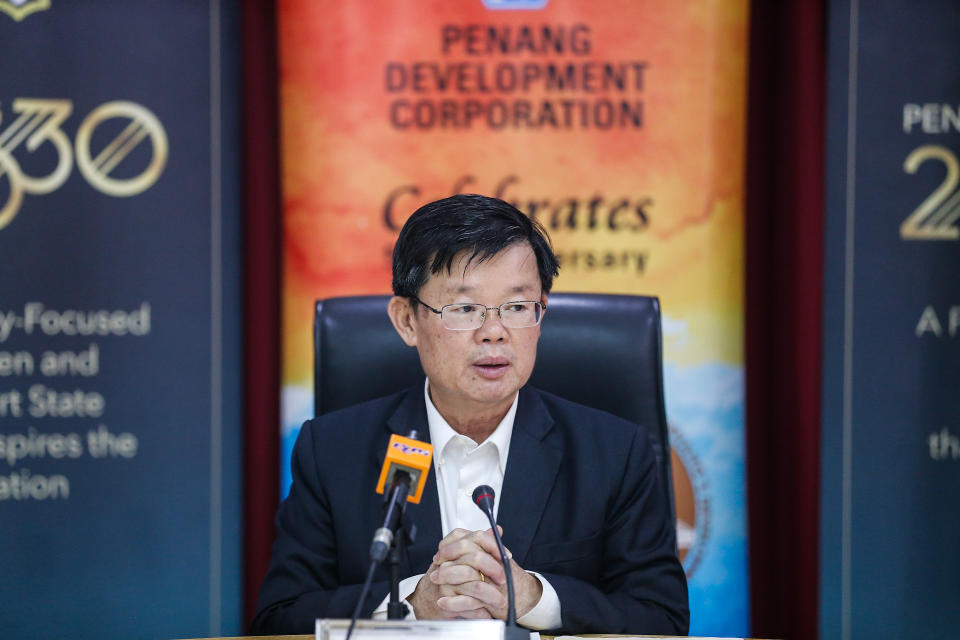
(937, 215)
(20, 9)
(40, 122)
(142, 124)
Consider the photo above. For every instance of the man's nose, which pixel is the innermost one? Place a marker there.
(492, 329)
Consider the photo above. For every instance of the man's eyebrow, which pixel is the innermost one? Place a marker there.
(461, 289)
(520, 288)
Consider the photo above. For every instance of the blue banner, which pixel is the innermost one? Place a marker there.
(891, 413)
(119, 320)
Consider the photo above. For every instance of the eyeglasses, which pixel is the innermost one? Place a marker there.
(468, 316)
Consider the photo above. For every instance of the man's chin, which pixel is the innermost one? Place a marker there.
(496, 391)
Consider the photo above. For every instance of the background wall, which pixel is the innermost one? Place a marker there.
(891, 414)
(120, 353)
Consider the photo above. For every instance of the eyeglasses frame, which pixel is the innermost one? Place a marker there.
(439, 312)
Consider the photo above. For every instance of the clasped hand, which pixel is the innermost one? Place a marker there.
(466, 580)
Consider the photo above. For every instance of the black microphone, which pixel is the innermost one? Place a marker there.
(383, 537)
(483, 497)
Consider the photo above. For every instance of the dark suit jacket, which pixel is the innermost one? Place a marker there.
(581, 504)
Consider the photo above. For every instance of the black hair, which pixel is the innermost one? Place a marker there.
(439, 231)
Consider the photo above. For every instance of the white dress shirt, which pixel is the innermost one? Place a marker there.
(461, 465)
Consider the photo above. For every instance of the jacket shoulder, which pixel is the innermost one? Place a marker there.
(355, 423)
(582, 417)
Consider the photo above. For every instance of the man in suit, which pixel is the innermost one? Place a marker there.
(579, 502)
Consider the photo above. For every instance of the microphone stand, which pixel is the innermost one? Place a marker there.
(389, 544)
(397, 610)
(511, 630)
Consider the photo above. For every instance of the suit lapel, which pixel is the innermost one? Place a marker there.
(411, 413)
(532, 455)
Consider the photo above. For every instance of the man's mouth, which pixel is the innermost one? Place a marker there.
(492, 361)
(492, 367)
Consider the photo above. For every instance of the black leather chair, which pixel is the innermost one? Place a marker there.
(603, 351)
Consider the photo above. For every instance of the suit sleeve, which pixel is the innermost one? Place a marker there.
(302, 582)
(642, 587)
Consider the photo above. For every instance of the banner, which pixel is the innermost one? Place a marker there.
(891, 417)
(619, 125)
(119, 320)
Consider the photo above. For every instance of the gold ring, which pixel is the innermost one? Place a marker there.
(483, 578)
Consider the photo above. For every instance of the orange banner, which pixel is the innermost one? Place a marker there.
(618, 124)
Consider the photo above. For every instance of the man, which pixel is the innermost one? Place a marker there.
(579, 501)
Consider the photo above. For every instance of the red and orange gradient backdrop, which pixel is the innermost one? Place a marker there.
(618, 124)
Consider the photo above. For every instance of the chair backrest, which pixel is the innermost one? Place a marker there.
(603, 351)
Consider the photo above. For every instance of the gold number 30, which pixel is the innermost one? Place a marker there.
(934, 218)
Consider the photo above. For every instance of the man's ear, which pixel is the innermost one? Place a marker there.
(543, 301)
(404, 321)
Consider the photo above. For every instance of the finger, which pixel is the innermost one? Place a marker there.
(455, 573)
(481, 562)
(476, 614)
(488, 541)
(469, 544)
(462, 604)
(458, 604)
(457, 543)
(444, 590)
(452, 547)
(467, 552)
(492, 597)
(450, 538)
(453, 536)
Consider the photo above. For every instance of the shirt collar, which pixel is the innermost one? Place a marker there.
(441, 432)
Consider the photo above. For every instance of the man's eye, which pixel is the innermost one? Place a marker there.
(464, 308)
(516, 307)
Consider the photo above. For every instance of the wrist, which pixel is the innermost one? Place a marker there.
(419, 599)
(532, 593)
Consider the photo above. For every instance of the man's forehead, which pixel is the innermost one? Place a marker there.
(468, 272)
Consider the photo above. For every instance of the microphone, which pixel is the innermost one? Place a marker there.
(405, 469)
(410, 455)
(483, 497)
